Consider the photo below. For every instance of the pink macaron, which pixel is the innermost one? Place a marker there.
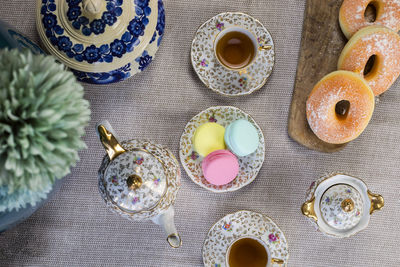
(220, 167)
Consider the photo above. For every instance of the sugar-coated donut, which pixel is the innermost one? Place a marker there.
(381, 42)
(321, 107)
(351, 15)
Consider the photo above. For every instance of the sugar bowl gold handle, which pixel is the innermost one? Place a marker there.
(308, 209)
(377, 202)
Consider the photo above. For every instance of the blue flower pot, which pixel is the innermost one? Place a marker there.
(10, 38)
(10, 219)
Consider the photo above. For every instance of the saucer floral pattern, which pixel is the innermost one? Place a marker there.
(213, 74)
(243, 224)
(249, 166)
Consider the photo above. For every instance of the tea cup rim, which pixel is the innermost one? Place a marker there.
(256, 47)
(259, 240)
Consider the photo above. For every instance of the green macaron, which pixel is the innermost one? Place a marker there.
(241, 137)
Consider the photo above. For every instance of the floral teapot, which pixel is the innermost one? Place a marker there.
(139, 180)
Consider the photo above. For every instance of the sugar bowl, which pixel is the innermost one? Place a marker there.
(139, 180)
(340, 205)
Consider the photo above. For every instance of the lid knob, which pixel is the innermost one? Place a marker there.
(347, 205)
(93, 7)
(134, 181)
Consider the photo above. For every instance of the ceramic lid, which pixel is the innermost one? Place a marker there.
(96, 35)
(341, 206)
(135, 181)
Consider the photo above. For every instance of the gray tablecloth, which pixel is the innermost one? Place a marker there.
(76, 229)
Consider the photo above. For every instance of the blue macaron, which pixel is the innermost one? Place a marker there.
(241, 137)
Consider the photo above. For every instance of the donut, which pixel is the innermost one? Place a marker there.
(339, 107)
(373, 40)
(351, 15)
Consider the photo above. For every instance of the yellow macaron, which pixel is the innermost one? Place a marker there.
(208, 138)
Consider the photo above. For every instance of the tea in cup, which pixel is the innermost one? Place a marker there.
(236, 48)
(250, 252)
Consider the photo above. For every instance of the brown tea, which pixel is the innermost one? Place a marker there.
(235, 50)
(247, 252)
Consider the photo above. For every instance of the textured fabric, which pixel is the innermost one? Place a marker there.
(76, 229)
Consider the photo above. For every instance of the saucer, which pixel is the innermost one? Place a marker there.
(243, 224)
(249, 165)
(213, 74)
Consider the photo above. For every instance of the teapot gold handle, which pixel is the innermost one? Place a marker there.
(110, 143)
(308, 209)
(377, 202)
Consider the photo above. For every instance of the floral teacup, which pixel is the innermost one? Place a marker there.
(238, 226)
(258, 248)
(251, 50)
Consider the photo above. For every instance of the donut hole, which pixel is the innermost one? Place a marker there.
(342, 109)
(371, 12)
(370, 65)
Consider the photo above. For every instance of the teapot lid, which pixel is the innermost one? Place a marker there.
(341, 206)
(135, 181)
(96, 35)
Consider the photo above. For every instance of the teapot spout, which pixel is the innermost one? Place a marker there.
(108, 139)
(166, 221)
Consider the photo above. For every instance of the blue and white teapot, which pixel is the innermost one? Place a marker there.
(102, 41)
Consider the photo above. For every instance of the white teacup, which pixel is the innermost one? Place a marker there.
(256, 47)
(270, 260)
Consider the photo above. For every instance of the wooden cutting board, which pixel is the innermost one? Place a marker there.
(321, 45)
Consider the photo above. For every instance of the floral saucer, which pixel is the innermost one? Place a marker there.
(243, 224)
(191, 161)
(214, 75)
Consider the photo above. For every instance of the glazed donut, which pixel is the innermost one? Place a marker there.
(337, 124)
(351, 15)
(381, 42)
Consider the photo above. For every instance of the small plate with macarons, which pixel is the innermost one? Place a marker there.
(222, 149)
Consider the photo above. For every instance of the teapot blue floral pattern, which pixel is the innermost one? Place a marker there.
(132, 37)
(92, 53)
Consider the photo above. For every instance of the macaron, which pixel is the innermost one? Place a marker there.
(220, 167)
(208, 138)
(241, 137)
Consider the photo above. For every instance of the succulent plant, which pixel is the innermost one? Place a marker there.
(42, 119)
